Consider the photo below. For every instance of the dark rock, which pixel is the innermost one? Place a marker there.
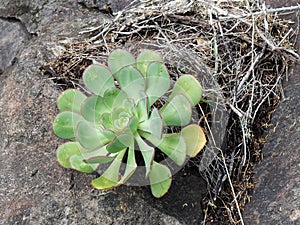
(12, 39)
(106, 6)
(276, 197)
(26, 11)
(34, 188)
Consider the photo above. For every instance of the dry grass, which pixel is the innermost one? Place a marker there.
(239, 50)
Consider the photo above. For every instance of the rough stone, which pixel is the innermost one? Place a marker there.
(276, 197)
(24, 10)
(34, 189)
(103, 5)
(12, 39)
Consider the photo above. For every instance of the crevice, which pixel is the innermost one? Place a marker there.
(105, 9)
(12, 19)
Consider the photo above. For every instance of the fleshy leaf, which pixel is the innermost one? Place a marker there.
(173, 145)
(92, 108)
(99, 159)
(98, 156)
(142, 107)
(91, 137)
(110, 178)
(147, 152)
(65, 123)
(145, 58)
(66, 150)
(154, 125)
(132, 82)
(120, 143)
(190, 87)
(120, 118)
(129, 105)
(119, 59)
(133, 124)
(160, 179)
(177, 112)
(98, 79)
(114, 97)
(194, 138)
(106, 121)
(77, 163)
(70, 100)
(130, 166)
(157, 81)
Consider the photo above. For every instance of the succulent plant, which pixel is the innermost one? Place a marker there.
(120, 116)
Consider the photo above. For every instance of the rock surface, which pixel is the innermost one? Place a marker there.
(276, 198)
(13, 36)
(34, 189)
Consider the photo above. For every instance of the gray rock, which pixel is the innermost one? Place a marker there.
(24, 10)
(103, 5)
(276, 197)
(34, 188)
(13, 37)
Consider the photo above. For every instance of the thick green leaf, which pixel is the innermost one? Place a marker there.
(129, 105)
(177, 112)
(145, 58)
(157, 81)
(104, 182)
(130, 166)
(91, 137)
(173, 145)
(110, 178)
(98, 79)
(120, 118)
(133, 124)
(114, 97)
(70, 100)
(154, 125)
(120, 143)
(65, 123)
(190, 87)
(132, 82)
(160, 179)
(194, 138)
(147, 152)
(93, 108)
(77, 163)
(99, 159)
(142, 107)
(66, 150)
(106, 122)
(119, 59)
(98, 156)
